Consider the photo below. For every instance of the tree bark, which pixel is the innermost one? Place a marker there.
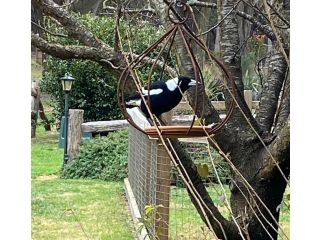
(271, 90)
(43, 116)
(74, 131)
(35, 99)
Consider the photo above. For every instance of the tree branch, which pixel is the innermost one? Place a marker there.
(279, 14)
(47, 31)
(197, 3)
(129, 10)
(271, 90)
(95, 49)
(221, 21)
(280, 150)
(284, 108)
(219, 222)
(70, 51)
(74, 27)
(266, 29)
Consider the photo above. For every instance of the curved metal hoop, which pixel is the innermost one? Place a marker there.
(186, 10)
(181, 131)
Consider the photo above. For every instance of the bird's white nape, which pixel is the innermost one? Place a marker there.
(172, 84)
(151, 92)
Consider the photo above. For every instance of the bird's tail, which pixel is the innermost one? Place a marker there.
(133, 102)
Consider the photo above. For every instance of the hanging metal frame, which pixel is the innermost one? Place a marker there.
(168, 38)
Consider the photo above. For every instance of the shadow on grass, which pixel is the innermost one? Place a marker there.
(45, 137)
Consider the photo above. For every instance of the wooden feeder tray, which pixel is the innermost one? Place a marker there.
(177, 131)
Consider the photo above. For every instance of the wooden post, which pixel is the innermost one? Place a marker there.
(74, 131)
(163, 193)
(248, 98)
(35, 99)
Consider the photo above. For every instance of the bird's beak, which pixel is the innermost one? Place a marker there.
(192, 83)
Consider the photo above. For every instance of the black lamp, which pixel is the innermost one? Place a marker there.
(66, 81)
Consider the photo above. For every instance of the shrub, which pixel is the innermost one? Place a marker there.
(104, 158)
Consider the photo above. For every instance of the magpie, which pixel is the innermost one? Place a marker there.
(164, 95)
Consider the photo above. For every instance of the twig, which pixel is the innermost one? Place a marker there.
(218, 24)
(276, 34)
(266, 29)
(257, 10)
(63, 5)
(197, 3)
(110, 63)
(116, 28)
(278, 14)
(47, 31)
(128, 10)
(239, 49)
(258, 71)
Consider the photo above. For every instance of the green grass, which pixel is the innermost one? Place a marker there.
(36, 70)
(92, 209)
(72, 209)
(46, 157)
(78, 209)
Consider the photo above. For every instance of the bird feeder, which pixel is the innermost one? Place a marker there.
(157, 54)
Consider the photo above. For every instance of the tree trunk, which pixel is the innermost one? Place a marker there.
(44, 118)
(74, 131)
(35, 99)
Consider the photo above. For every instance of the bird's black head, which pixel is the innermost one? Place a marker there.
(185, 83)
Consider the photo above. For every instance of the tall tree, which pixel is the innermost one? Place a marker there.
(256, 147)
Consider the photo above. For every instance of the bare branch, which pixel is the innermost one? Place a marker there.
(188, 164)
(197, 3)
(47, 31)
(221, 21)
(83, 52)
(71, 51)
(64, 5)
(279, 38)
(278, 14)
(284, 106)
(74, 27)
(266, 29)
(130, 10)
(116, 28)
(271, 90)
(150, 61)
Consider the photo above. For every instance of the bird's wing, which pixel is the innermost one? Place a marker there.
(156, 87)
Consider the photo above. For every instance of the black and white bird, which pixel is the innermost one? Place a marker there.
(164, 95)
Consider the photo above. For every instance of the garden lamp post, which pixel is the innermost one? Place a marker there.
(66, 81)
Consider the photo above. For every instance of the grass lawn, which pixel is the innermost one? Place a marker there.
(92, 209)
(73, 209)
